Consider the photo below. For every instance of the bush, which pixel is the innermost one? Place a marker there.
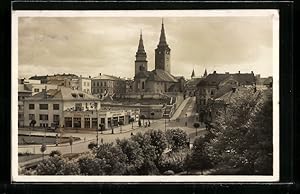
(92, 145)
(51, 166)
(55, 153)
(173, 161)
(89, 165)
(177, 139)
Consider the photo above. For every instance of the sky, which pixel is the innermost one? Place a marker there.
(88, 46)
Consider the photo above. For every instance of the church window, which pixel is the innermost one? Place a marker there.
(143, 85)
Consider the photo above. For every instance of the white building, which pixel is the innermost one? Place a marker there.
(85, 85)
(68, 108)
(47, 107)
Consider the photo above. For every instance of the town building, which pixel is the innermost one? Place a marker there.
(23, 93)
(159, 80)
(103, 85)
(216, 85)
(68, 108)
(191, 85)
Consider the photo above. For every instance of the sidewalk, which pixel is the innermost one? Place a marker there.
(180, 108)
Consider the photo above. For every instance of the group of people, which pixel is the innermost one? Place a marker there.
(146, 124)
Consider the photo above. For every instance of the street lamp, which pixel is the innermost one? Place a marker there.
(165, 105)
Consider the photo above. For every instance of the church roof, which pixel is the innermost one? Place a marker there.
(161, 75)
(156, 75)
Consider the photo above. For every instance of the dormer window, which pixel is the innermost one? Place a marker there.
(73, 95)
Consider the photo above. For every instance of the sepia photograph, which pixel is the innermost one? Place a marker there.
(145, 96)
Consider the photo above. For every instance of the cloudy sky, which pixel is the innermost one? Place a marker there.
(90, 45)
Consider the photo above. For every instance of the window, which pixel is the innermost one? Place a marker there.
(101, 84)
(77, 122)
(55, 106)
(68, 121)
(84, 83)
(143, 85)
(36, 90)
(104, 84)
(56, 119)
(78, 107)
(81, 95)
(87, 123)
(74, 95)
(43, 117)
(94, 122)
(87, 84)
(43, 106)
(31, 117)
(31, 106)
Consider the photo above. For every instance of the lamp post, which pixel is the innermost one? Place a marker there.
(165, 105)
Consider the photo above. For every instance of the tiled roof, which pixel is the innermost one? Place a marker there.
(161, 75)
(63, 93)
(215, 79)
(156, 75)
(106, 77)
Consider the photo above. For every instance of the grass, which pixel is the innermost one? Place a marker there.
(28, 156)
(36, 139)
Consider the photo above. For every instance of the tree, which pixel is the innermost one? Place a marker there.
(199, 159)
(43, 149)
(90, 165)
(92, 145)
(196, 125)
(242, 135)
(177, 139)
(134, 154)
(71, 140)
(173, 161)
(51, 166)
(158, 141)
(114, 158)
(55, 153)
(131, 120)
(71, 167)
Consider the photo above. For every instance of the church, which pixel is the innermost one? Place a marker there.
(160, 80)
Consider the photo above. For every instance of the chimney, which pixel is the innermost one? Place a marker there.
(215, 72)
(239, 72)
(89, 76)
(252, 72)
(99, 74)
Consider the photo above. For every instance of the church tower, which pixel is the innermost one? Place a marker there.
(141, 57)
(162, 52)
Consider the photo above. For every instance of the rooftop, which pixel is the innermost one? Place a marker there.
(63, 93)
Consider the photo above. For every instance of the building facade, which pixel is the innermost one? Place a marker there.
(47, 108)
(103, 85)
(216, 85)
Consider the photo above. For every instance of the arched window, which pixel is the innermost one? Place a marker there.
(143, 85)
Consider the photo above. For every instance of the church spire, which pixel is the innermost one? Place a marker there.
(193, 74)
(141, 43)
(162, 39)
(205, 73)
